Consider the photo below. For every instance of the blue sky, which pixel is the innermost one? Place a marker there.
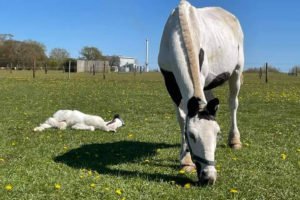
(271, 27)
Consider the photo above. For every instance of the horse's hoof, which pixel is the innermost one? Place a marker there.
(236, 146)
(189, 168)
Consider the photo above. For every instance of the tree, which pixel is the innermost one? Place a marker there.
(295, 70)
(58, 57)
(4, 37)
(31, 50)
(113, 60)
(91, 53)
(16, 53)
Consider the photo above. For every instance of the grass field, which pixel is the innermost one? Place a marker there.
(140, 161)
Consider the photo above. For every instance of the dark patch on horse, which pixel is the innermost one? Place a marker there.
(193, 106)
(219, 80)
(172, 86)
(201, 58)
(211, 109)
(206, 115)
(213, 106)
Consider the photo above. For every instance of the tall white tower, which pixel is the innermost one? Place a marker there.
(147, 55)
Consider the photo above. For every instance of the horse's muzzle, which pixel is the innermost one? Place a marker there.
(207, 176)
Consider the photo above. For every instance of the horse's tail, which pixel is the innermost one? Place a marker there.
(184, 10)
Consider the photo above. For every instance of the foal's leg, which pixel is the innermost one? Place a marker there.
(42, 127)
(51, 123)
(234, 88)
(83, 127)
(185, 156)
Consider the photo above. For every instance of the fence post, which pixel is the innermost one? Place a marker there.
(260, 73)
(46, 68)
(266, 72)
(134, 72)
(33, 68)
(69, 69)
(104, 68)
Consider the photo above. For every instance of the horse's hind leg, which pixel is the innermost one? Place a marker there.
(234, 88)
(49, 123)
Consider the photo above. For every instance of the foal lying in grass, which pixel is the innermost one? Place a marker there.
(80, 121)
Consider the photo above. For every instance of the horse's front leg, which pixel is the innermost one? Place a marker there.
(234, 88)
(185, 156)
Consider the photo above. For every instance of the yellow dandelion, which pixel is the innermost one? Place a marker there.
(298, 150)
(233, 190)
(13, 144)
(181, 171)
(130, 135)
(187, 185)
(2, 160)
(57, 186)
(283, 156)
(123, 198)
(81, 176)
(118, 191)
(97, 177)
(246, 144)
(65, 147)
(234, 158)
(9, 187)
(93, 185)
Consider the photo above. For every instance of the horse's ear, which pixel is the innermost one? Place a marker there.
(193, 106)
(212, 106)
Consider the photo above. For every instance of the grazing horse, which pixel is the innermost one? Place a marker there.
(201, 49)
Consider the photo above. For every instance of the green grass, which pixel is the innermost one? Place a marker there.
(141, 159)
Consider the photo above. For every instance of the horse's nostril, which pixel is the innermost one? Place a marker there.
(207, 178)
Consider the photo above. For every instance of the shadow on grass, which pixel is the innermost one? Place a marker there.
(102, 158)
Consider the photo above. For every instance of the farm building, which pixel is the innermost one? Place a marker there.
(120, 64)
(90, 65)
(124, 64)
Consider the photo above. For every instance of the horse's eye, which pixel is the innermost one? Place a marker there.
(192, 136)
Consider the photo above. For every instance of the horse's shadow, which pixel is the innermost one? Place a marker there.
(103, 157)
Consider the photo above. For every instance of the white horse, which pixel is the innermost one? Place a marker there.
(80, 121)
(201, 49)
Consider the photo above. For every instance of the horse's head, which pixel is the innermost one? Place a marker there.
(201, 134)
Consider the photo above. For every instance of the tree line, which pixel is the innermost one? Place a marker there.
(22, 54)
(262, 69)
